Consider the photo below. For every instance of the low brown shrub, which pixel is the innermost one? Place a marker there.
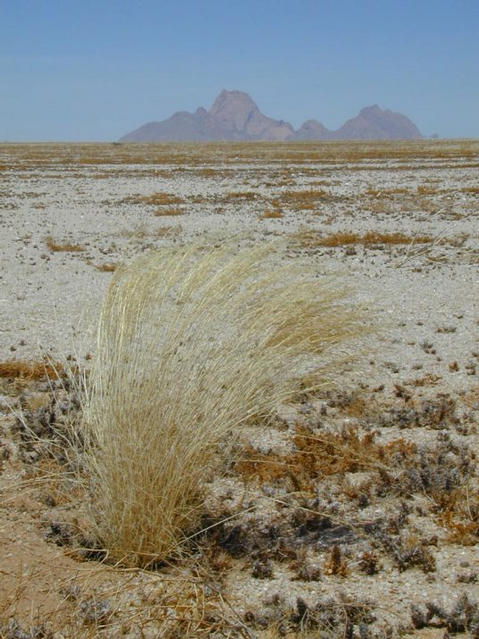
(272, 214)
(165, 212)
(312, 239)
(66, 246)
(31, 370)
(108, 267)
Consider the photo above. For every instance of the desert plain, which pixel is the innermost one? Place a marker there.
(355, 511)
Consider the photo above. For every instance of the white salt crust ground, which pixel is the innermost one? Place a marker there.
(49, 300)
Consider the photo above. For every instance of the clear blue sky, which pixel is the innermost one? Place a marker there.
(96, 69)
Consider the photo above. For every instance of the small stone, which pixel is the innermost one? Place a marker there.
(262, 569)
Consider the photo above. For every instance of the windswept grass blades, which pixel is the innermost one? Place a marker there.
(190, 345)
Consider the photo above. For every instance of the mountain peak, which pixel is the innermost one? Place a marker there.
(234, 96)
(233, 108)
(374, 123)
(374, 109)
(235, 116)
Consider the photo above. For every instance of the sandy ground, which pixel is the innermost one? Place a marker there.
(69, 213)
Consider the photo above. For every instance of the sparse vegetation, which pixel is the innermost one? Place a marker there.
(328, 517)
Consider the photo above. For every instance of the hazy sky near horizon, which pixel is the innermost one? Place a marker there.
(96, 69)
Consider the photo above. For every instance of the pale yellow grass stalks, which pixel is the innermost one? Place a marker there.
(191, 344)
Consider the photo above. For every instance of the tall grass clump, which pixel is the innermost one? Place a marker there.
(191, 344)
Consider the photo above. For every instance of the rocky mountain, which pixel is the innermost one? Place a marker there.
(373, 123)
(234, 116)
(239, 117)
(311, 130)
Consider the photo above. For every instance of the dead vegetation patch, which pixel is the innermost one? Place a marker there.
(143, 231)
(67, 247)
(273, 214)
(323, 454)
(169, 212)
(30, 370)
(313, 239)
(387, 192)
(306, 199)
(156, 199)
(107, 267)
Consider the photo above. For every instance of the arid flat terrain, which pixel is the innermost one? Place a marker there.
(355, 512)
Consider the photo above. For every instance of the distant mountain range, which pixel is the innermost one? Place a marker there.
(235, 116)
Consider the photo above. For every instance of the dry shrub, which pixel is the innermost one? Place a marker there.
(30, 370)
(312, 239)
(208, 172)
(306, 200)
(66, 246)
(459, 513)
(176, 211)
(158, 199)
(373, 237)
(386, 192)
(322, 455)
(107, 267)
(423, 189)
(143, 231)
(272, 214)
(190, 346)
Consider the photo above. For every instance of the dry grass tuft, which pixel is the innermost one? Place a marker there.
(190, 346)
(66, 247)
